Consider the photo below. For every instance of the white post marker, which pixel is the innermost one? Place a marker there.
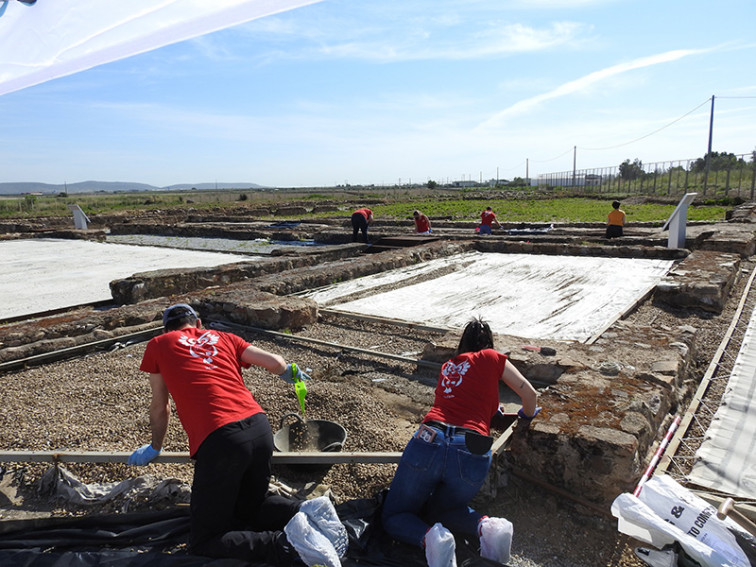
(80, 218)
(677, 221)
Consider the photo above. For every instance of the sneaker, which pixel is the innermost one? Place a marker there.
(313, 547)
(495, 539)
(440, 547)
(323, 516)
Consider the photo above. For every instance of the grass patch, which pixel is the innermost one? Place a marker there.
(543, 210)
(390, 205)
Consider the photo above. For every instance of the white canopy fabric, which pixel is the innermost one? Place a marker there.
(726, 460)
(48, 39)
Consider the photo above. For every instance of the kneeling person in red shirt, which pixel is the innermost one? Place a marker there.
(231, 441)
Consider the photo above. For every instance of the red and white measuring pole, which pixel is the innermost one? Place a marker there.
(657, 455)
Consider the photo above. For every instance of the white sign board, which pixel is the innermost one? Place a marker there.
(677, 221)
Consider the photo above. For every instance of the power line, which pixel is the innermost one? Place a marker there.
(651, 133)
(518, 166)
(554, 158)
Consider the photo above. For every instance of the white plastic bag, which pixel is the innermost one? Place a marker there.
(666, 512)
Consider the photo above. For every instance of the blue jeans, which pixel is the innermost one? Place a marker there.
(434, 482)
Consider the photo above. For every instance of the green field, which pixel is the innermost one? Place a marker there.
(544, 210)
(389, 204)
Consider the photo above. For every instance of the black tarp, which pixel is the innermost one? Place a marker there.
(158, 539)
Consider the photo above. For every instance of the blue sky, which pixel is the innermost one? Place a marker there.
(388, 91)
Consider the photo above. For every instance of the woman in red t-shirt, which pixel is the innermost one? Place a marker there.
(422, 223)
(447, 460)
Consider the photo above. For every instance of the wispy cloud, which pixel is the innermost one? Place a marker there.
(495, 40)
(558, 4)
(587, 81)
(418, 31)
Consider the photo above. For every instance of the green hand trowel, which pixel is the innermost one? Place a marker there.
(300, 388)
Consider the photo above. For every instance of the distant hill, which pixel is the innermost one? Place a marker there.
(21, 187)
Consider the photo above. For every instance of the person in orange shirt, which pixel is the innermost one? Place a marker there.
(616, 221)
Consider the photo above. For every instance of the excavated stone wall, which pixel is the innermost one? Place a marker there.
(604, 403)
(282, 275)
(602, 414)
(702, 281)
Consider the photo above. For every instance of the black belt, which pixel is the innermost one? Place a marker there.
(448, 429)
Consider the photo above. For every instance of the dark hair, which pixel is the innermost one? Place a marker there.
(616, 204)
(178, 316)
(476, 336)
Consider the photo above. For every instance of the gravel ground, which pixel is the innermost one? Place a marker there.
(99, 403)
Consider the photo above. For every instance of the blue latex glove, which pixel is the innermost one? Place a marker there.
(292, 374)
(521, 414)
(143, 455)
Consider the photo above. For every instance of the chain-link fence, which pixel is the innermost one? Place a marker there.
(722, 175)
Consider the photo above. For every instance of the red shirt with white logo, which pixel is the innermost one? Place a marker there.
(202, 370)
(487, 217)
(467, 393)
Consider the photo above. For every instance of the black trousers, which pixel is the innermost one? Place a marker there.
(232, 513)
(359, 223)
(613, 231)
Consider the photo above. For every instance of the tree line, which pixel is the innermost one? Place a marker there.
(717, 161)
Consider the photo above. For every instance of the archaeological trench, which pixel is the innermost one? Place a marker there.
(605, 407)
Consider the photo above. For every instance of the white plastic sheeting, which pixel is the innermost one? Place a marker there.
(726, 460)
(537, 296)
(53, 38)
(665, 512)
(43, 274)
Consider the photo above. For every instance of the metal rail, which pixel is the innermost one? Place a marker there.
(282, 458)
(77, 350)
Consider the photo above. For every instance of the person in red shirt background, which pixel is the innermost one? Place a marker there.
(422, 223)
(361, 218)
(487, 221)
(446, 461)
(230, 439)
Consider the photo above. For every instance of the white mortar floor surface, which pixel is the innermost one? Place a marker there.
(44, 274)
(257, 246)
(569, 298)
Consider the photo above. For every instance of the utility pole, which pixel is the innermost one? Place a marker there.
(527, 173)
(708, 152)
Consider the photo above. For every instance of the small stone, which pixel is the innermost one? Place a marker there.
(610, 368)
